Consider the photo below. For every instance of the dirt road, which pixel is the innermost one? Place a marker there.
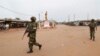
(61, 41)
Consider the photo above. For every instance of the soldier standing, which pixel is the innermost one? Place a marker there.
(93, 27)
(31, 30)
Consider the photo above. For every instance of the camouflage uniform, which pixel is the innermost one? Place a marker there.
(92, 27)
(31, 29)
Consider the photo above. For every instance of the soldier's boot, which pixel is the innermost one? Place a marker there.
(31, 51)
(31, 48)
(39, 45)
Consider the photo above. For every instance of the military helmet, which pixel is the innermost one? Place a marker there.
(33, 18)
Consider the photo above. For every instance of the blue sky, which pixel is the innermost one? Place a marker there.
(58, 10)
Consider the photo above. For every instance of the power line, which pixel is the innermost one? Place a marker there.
(14, 11)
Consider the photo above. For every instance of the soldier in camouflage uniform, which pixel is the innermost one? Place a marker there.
(92, 27)
(31, 30)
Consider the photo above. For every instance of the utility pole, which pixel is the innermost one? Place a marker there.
(74, 16)
(88, 16)
(39, 21)
(68, 18)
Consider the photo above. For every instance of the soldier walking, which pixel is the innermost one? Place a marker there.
(31, 30)
(93, 27)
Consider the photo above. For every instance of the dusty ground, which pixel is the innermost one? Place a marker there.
(62, 41)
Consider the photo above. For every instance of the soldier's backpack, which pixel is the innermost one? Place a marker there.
(92, 25)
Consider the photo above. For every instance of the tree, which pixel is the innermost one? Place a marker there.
(17, 18)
